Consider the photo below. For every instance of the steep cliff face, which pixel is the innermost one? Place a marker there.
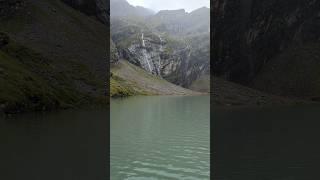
(97, 8)
(177, 60)
(166, 44)
(114, 56)
(248, 33)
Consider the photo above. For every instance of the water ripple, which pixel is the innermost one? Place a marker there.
(160, 143)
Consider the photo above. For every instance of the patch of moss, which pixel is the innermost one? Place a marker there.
(81, 72)
(119, 89)
(31, 82)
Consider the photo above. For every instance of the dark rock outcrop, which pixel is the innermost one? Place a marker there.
(247, 34)
(97, 8)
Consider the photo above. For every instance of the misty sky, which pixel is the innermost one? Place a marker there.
(156, 5)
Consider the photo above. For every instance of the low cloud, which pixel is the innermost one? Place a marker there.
(156, 5)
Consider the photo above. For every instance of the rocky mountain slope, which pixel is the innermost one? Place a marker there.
(181, 23)
(52, 56)
(153, 44)
(269, 45)
(121, 8)
(128, 79)
(96, 8)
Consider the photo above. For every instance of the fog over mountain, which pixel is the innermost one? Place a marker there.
(171, 45)
(158, 5)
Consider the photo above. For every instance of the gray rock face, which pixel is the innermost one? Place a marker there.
(181, 23)
(175, 60)
(146, 53)
(121, 8)
(114, 56)
(249, 33)
(172, 44)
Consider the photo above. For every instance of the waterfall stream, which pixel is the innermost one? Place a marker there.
(144, 52)
(161, 50)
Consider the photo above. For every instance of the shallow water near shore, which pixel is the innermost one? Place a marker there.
(160, 137)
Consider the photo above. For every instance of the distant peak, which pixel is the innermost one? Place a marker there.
(119, 1)
(177, 11)
(202, 9)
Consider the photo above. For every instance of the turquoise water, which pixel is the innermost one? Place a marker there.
(160, 137)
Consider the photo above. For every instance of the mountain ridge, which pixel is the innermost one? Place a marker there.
(177, 57)
(269, 45)
(55, 57)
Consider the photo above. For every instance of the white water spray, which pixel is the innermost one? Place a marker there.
(144, 52)
(161, 50)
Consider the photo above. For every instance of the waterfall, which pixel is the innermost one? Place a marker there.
(144, 52)
(142, 38)
(161, 50)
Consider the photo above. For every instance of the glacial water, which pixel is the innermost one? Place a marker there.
(161, 137)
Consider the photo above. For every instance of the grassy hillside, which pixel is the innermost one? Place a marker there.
(56, 58)
(128, 79)
(202, 84)
(31, 82)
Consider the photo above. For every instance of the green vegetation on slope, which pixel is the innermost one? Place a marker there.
(119, 88)
(31, 82)
(202, 84)
(55, 58)
(128, 79)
